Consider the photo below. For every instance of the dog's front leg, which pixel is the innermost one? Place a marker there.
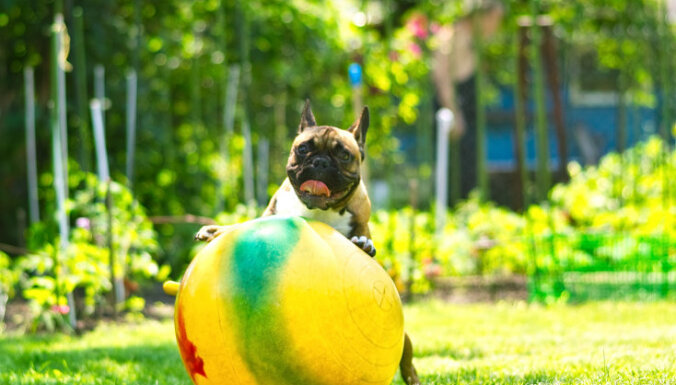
(208, 233)
(361, 236)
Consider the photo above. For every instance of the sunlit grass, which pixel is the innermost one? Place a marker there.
(130, 354)
(527, 344)
(603, 343)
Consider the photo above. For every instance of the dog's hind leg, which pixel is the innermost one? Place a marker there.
(406, 367)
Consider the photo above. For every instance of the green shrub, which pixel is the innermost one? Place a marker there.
(630, 192)
(622, 210)
(48, 275)
(9, 277)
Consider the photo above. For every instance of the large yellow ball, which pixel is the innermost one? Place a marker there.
(284, 301)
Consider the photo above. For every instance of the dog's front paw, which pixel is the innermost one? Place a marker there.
(208, 233)
(365, 244)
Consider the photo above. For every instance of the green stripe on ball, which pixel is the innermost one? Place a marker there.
(259, 256)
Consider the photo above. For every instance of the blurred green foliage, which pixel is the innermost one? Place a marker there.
(46, 275)
(9, 277)
(629, 192)
(289, 51)
(619, 215)
(611, 216)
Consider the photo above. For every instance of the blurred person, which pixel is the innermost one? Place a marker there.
(453, 71)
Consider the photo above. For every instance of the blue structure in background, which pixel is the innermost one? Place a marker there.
(587, 127)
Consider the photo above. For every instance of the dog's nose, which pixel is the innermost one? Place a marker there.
(321, 163)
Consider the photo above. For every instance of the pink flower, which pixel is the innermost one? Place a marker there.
(83, 223)
(61, 309)
(417, 25)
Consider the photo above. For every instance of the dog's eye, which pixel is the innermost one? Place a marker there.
(303, 149)
(344, 155)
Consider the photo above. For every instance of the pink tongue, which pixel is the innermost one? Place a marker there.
(315, 187)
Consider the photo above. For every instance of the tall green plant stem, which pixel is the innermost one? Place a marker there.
(543, 177)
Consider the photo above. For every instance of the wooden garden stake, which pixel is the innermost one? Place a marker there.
(549, 50)
(542, 174)
(80, 73)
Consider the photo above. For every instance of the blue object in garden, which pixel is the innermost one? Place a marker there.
(354, 71)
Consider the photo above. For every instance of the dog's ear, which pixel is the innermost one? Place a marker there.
(359, 128)
(307, 119)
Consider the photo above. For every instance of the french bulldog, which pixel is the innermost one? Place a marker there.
(324, 178)
(324, 183)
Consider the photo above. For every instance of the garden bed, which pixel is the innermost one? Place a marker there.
(472, 289)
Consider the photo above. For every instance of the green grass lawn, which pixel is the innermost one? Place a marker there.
(609, 343)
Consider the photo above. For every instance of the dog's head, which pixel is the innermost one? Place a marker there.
(325, 161)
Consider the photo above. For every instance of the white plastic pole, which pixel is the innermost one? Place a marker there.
(131, 124)
(59, 147)
(104, 176)
(100, 140)
(100, 89)
(60, 29)
(444, 126)
(33, 207)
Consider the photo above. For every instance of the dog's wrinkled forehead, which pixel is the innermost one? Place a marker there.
(327, 137)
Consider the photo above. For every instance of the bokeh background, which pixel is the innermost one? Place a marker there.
(567, 108)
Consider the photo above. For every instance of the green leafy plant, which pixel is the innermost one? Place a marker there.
(9, 277)
(102, 212)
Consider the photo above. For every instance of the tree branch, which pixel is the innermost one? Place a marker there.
(188, 218)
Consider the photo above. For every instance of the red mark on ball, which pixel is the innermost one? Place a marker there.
(193, 363)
